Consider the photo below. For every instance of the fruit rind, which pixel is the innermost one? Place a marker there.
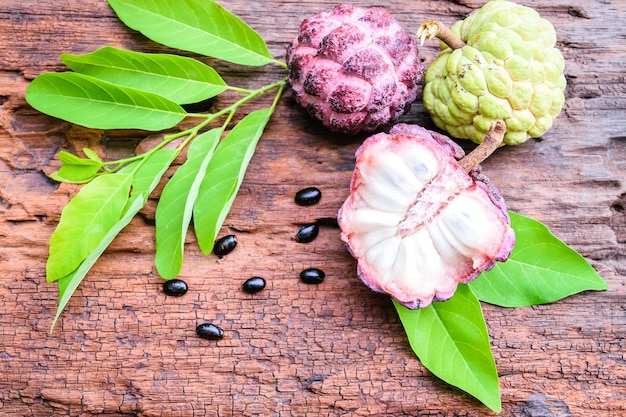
(509, 62)
(354, 68)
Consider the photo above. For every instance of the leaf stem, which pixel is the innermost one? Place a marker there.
(125, 161)
(280, 63)
(279, 93)
(240, 90)
(253, 94)
(208, 118)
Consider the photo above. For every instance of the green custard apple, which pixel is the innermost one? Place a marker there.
(500, 63)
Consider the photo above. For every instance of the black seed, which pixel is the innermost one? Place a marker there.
(312, 276)
(308, 196)
(254, 284)
(175, 287)
(209, 331)
(307, 233)
(225, 245)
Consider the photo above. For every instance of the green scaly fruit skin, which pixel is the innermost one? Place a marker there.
(508, 70)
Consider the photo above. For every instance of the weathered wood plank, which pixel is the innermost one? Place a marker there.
(123, 348)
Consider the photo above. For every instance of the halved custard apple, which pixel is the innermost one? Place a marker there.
(416, 221)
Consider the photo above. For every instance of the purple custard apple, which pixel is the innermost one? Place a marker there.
(354, 69)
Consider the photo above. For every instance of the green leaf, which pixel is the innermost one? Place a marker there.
(541, 269)
(69, 283)
(85, 220)
(71, 159)
(180, 79)
(174, 210)
(145, 179)
(75, 174)
(201, 26)
(450, 338)
(75, 169)
(92, 155)
(148, 175)
(225, 175)
(97, 104)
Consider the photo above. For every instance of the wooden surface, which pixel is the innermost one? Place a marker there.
(123, 348)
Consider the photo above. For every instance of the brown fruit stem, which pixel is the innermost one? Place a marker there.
(431, 29)
(493, 139)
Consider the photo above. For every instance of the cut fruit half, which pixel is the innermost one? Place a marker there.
(416, 221)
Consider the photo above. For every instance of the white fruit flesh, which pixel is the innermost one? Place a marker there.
(417, 223)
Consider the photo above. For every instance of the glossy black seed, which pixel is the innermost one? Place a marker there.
(225, 245)
(312, 276)
(209, 331)
(308, 196)
(307, 233)
(175, 287)
(254, 284)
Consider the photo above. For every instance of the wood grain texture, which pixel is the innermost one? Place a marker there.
(123, 348)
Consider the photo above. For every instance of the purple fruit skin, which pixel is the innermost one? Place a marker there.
(354, 69)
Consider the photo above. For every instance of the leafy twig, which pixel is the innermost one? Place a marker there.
(118, 89)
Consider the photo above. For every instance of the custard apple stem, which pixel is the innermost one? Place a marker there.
(431, 29)
(492, 141)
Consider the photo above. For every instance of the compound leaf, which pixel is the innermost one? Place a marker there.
(97, 104)
(225, 175)
(450, 339)
(541, 269)
(144, 180)
(174, 210)
(180, 79)
(200, 26)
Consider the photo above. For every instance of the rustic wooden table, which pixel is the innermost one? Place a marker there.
(123, 348)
